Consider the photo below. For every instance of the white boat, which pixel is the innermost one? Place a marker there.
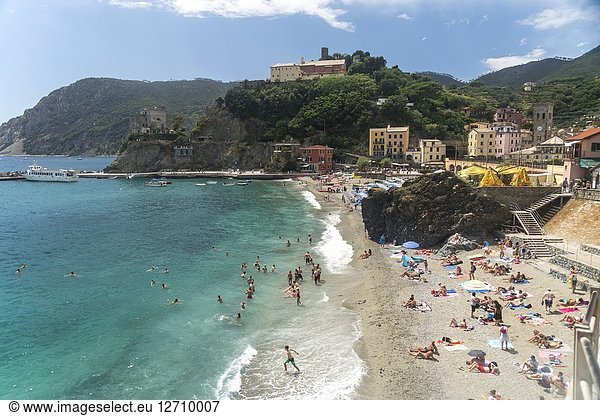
(241, 183)
(229, 184)
(38, 173)
(200, 184)
(156, 183)
(212, 182)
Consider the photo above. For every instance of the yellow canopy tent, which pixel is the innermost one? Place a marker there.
(474, 170)
(491, 179)
(508, 170)
(521, 178)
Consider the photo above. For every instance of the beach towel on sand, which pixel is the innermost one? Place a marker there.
(458, 347)
(495, 343)
(567, 310)
(451, 293)
(423, 307)
(545, 354)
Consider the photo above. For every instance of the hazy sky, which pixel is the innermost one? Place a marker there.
(47, 44)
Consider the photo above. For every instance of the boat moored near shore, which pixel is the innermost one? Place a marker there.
(41, 174)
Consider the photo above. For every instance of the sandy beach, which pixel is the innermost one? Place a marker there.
(389, 329)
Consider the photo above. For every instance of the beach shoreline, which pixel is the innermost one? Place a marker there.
(389, 329)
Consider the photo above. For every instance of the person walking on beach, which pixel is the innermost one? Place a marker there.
(290, 358)
(547, 300)
(382, 240)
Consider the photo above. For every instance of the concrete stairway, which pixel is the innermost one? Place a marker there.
(537, 246)
(529, 223)
(546, 200)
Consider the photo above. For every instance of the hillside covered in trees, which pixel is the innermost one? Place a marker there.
(91, 116)
(341, 109)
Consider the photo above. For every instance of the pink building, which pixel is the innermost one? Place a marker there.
(508, 115)
(508, 138)
(317, 158)
(582, 156)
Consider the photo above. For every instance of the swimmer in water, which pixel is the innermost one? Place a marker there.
(18, 271)
(243, 305)
(238, 316)
(166, 270)
(165, 286)
(288, 243)
(219, 299)
(151, 269)
(176, 302)
(273, 269)
(152, 283)
(72, 274)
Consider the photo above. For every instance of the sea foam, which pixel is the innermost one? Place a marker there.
(337, 253)
(230, 381)
(311, 198)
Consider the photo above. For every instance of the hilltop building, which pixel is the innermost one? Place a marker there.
(388, 141)
(149, 120)
(542, 122)
(324, 67)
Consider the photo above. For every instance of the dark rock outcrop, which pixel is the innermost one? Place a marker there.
(431, 208)
(159, 155)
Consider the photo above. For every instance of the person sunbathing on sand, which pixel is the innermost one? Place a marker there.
(537, 337)
(481, 368)
(572, 302)
(425, 353)
(411, 302)
(529, 366)
(412, 274)
(570, 321)
(462, 324)
(441, 292)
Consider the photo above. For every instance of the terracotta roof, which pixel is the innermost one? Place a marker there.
(585, 134)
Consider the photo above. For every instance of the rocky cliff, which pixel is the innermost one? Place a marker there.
(431, 208)
(158, 155)
(91, 116)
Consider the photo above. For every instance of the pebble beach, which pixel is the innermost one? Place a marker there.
(389, 329)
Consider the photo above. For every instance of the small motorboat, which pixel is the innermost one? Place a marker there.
(229, 184)
(200, 184)
(211, 182)
(241, 183)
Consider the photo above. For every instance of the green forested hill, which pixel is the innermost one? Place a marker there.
(92, 115)
(342, 109)
(586, 66)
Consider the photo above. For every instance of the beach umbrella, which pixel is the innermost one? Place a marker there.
(490, 179)
(410, 244)
(476, 353)
(521, 178)
(474, 170)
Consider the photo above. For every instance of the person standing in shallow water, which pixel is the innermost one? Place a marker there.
(290, 358)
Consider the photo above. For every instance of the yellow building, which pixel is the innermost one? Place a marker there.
(388, 141)
(482, 142)
(433, 152)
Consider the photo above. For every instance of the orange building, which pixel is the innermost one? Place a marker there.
(317, 158)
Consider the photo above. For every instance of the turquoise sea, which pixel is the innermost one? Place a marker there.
(108, 334)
